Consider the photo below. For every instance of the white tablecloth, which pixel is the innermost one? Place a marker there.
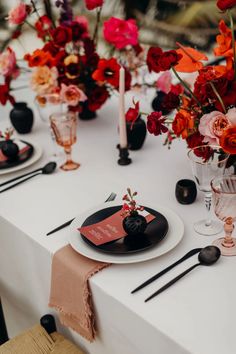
(197, 315)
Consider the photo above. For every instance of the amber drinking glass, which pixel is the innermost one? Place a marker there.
(207, 162)
(64, 127)
(224, 200)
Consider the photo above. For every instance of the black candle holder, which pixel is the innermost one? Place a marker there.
(124, 156)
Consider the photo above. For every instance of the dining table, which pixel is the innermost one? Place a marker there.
(195, 316)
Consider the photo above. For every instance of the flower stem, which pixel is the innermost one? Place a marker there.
(233, 40)
(218, 96)
(95, 34)
(186, 87)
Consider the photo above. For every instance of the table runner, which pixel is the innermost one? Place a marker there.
(70, 293)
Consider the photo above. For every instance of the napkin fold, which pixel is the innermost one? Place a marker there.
(70, 293)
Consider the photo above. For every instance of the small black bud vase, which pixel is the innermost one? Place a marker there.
(22, 118)
(134, 224)
(136, 133)
(86, 113)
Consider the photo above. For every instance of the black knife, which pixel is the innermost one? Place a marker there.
(158, 275)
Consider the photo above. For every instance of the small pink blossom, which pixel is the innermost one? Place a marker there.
(93, 4)
(212, 125)
(120, 32)
(231, 115)
(18, 14)
(164, 82)
(72, 95)
(8, 64)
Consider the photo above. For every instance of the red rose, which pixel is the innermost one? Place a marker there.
(225, 4)
(62, 35)
(120, 32)
(97, 97)
(168, 59)
(153, 56)
(155, 123)
(92, 4)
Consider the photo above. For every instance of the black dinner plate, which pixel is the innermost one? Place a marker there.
(154, 233)
(22, 157)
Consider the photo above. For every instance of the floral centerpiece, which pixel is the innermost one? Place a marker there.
(68, 63)
(205, 112)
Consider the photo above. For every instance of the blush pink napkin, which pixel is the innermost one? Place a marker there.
(70, 292)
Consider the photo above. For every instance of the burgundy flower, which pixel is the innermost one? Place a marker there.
(97, 97)
(170, 101)
(79, 31)
(194, 140)
(224, 5)
(155, 123)
(61, 35)
(169, 59)
(5, 94)
(153, 56)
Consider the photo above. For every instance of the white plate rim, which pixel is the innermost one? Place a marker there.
(37, 153)
(172, 239)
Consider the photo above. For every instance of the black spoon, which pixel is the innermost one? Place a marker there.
(208, 256)
(46, 170)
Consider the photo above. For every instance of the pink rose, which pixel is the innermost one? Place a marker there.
(92, 4)
(72, 95)
(164, 82)
(231, 115)
(8, 64)
(212, 125)
(18, 14)
(120, 32)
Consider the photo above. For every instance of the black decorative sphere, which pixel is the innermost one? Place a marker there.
(22, 118)
(136, 134)
(134, 224)
(10, 149)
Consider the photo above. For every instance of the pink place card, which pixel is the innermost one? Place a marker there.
(109, 229)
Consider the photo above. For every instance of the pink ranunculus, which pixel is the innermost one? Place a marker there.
(18, 14)
(72, 95)
(8, 64)
(120, 32)
(93, 4)
(212, 125)
(231, 115)
(164, 82)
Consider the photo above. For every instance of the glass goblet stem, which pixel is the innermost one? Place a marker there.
(228, 227)
(67, 150)
(207, 200)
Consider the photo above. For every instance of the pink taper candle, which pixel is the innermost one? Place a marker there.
(122, 120)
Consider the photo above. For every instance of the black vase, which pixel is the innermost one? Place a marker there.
(22, 118)
(136, 133)
(134, 224)
(86, 113)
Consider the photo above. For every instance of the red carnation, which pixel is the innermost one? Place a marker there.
(195, 140)
(62, 35)
(155, 123)
(43, 25)
(153, 56)
(170, 101)
(225, 4)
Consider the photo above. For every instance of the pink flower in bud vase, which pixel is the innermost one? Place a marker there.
(18, 14)
(93, 4)
(72, 95)
(132, 113)
(211, 126)
(8, 64)
(164, 82)
(120, 32)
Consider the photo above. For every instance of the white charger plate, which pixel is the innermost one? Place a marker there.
(173, 237)
(37, 153)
